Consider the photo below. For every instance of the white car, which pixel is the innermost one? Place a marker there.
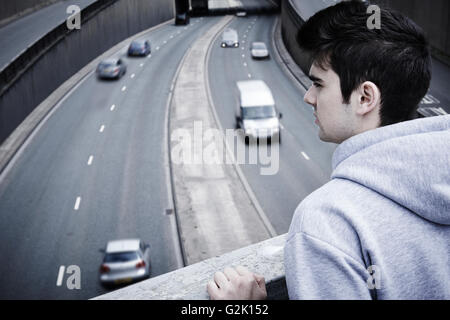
(125, 261)
(259, 50)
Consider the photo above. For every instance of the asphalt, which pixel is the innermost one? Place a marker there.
(123, 191)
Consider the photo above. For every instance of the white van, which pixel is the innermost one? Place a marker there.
(256, 113)
(230, 38)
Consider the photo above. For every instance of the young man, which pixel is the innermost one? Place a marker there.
(380, 229)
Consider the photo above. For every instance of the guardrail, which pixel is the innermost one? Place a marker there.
(189, 283)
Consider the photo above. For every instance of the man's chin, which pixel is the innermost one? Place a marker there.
(325, 138)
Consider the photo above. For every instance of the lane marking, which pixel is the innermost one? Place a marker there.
(243, 56)
(101, 128)
(124, 88)
(249, 75)
(60, 276)
(305, 155)
(77, 203)
(132, 76)
(157, 48)
(245, 64)
(141, 65)
(112, 107)
(90, 160)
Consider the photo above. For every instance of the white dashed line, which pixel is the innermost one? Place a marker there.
(157, 48)
(132, 76)
(77, 203)
(305, 155)
(90, 160)
(60, 276)
(124, 88)
(101, 128)
(164, 43)
(249, 75)
(141, 65)
(245, 64)
(243, 56)
(112, 107)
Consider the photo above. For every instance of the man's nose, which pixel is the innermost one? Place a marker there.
(310, 98)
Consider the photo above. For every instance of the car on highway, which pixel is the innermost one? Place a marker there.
(182, 18)
(259, 50)
(112, 68)
(139, 48)
(125, 261)
(256, 113)
(230, 38)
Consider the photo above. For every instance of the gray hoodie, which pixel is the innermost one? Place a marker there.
(380, 229)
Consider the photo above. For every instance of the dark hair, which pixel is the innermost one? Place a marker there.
(395, 57)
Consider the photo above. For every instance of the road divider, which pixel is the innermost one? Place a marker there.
(215, 213)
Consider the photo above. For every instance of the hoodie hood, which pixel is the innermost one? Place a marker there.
(408, 163)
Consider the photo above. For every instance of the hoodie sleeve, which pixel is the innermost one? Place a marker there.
(317, 270)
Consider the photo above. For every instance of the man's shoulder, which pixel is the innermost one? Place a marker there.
(330, 214)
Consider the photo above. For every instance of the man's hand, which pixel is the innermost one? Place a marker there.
(237, 284)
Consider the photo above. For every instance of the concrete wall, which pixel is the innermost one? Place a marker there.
(47, 64)
(432, 16)
(290, 24)
(13, 9)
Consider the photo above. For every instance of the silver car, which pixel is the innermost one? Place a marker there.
(259, 50)
(112, 68)
(125, 261)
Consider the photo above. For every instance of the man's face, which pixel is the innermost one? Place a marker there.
(335, 119)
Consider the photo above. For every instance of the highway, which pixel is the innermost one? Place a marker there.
(94, 173)
(305, 161)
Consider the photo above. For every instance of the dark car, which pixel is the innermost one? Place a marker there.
(139, 48)
(112, 68)
(182, 19)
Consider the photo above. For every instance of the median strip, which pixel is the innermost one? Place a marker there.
(215, 213)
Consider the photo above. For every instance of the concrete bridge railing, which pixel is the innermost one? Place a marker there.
(189, 283)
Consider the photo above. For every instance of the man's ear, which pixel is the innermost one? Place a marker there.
(369, 98)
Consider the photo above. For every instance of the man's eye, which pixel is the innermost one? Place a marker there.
(317, 85)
